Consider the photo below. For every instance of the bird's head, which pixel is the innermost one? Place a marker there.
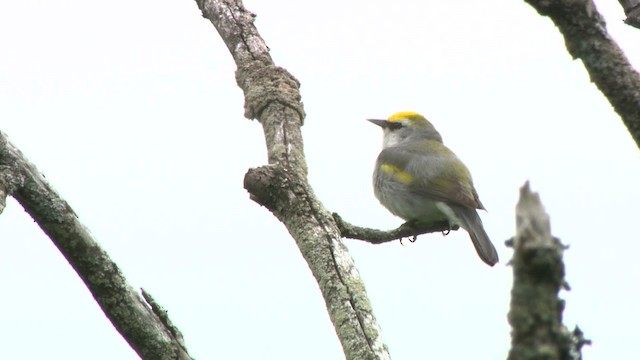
(406, 124)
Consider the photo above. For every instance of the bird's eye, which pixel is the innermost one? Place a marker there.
(395, 125)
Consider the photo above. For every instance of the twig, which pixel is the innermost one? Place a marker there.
(375, 236)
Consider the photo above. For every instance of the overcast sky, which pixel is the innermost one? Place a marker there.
(131, 110)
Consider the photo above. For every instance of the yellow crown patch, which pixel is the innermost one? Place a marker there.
(404, 115)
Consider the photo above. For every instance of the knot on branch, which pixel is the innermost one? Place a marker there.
(269, 186)
(263, 84)
(10, 181)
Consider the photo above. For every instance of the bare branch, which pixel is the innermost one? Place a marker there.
(586, 38)
(289, 200)
(375, 236)
(272, 96)
(538, 276)
(128, 312)
(632, 10)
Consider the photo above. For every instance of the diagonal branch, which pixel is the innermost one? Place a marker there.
(586, 38)
(132, 317)
(272, 96)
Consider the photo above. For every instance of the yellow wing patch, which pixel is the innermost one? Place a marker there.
(397, 173)
(404, 115)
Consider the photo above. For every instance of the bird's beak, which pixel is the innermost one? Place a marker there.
(382, 123)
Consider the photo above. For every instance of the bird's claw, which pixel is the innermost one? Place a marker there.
(412, 239)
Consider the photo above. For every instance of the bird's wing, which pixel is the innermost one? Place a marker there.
(440, 176)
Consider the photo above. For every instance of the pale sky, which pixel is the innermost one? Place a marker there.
(131, 110)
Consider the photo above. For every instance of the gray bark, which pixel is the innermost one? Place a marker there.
(538, 276)
(272, 97)
(586, 38)
(375, 236)
(149, 334)
(632, 10)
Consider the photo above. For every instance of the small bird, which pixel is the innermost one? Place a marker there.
(420, 180)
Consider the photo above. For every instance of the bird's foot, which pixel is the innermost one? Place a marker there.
(412, 239)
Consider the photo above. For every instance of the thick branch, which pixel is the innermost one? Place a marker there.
(538, 276)
(586, 38)
(128, 312)
(292, 202)
(272, 96)
(375, 236)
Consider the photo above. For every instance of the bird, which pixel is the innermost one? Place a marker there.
(420, 180)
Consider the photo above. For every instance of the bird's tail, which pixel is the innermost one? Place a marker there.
(470, 221)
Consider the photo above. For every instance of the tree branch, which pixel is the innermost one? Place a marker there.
(127, 311)
(586, 38)
(538, 275)
(632, 10)
(375, 236)
(272, 96)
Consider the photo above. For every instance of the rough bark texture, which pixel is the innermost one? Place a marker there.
(538, 275)
(128, 312)
(632, 10)
(586, 38)
(272, 96)
(9, 180)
